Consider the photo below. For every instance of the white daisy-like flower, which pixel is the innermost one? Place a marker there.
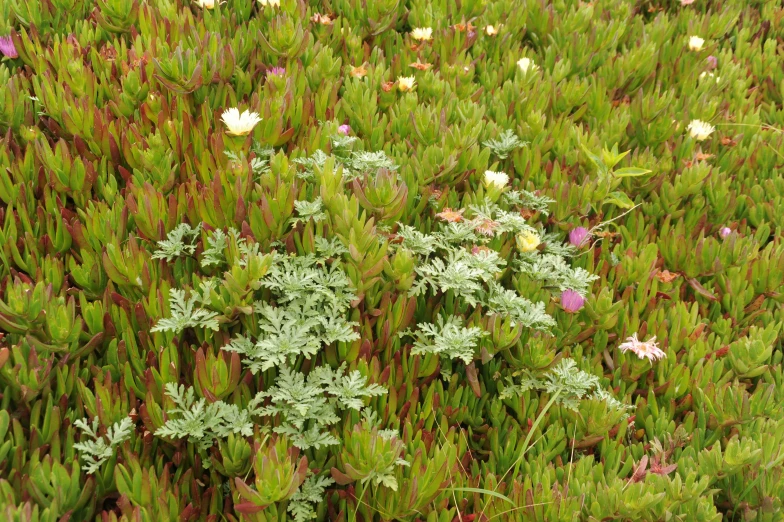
(495, 179)
(700, 130)
(240, 124)
(526, 64)
(491, 30)
(647, 349)
(271, 3)
(696, 43)
(206, 4)
(405, 83)
(422, 34)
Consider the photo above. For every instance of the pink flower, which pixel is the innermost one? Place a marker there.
(713, 62)
(645, 349)
(7, 47)
(277, 71)
(579, 236)
(724, 232)
(344, 129)
(571, 301)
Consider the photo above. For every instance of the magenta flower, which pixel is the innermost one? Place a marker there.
(276, 71)
(7, 47)
(571, 301)
(579, 236)
(344, 129)
(724, 232)
(713, 62)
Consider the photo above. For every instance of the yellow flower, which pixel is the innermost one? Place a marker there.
(422, 34)
(696, 43)
(491, 30)
(527, 241)
(700, 130)
(206, 4)
(526, 64)
(271, 3)
(495, 179)
(240, 124)
(405, 83)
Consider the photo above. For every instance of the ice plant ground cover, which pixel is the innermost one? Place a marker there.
(434, 260)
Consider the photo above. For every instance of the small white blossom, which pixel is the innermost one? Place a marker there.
(405, 83)
(240, 124)
(526, 64)
(648, 349)
(271, 3)
(422, 34)
(206, 4)
(696, 43)
(700, 130)
(705, 74)
(495, 179)
(491, 30)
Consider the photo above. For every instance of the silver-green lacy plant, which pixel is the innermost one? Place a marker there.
(311, 299)
(507, 142)
(354, 163)
(101, 448)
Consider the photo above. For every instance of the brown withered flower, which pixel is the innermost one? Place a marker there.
(452, 216)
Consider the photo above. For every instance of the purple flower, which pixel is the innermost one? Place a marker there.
(724, 232)
(571, 301)
(277, 71)
(7, 47)
(344, 129)
(579, 236)
(713, 62)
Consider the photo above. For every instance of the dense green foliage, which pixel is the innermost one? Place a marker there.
(460, 260)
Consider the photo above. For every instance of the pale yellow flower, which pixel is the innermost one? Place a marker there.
(206, 4)
(271, 3)
(495, 179)
(700, 130)
(491, 30)
(527, 241)
(422, 34)
(405, 83)
(526, 64)
(239, 124)
(696, 43)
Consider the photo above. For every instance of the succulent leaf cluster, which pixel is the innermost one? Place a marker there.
(421, 260)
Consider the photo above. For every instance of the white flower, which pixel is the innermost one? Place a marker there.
(405, 83)
(648, 349)
(526, 64)
(703, 74)
(271, 3)
(240, 124)
(700, 130)
(422, 34)
(205, 4)
(491, 30)
(495, 179)
(695, 43)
